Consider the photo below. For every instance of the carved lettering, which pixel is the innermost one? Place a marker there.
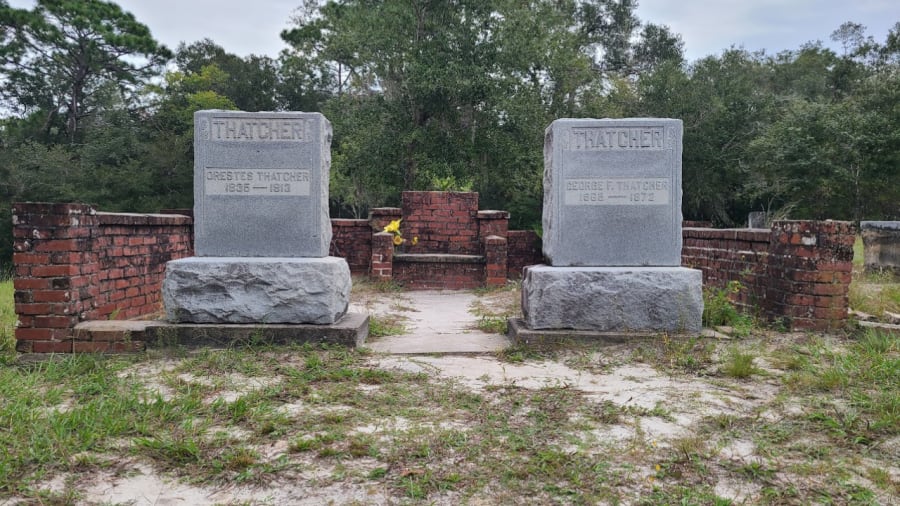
(613, 138)
(617, 191)
(258, 182)
(274, 130)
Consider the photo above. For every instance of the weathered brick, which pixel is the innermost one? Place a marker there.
(52, 347)
(53, 271)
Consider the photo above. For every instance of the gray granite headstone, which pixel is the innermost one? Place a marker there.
(261, 224)
(612, 231)
(261, 184)
(612, 192)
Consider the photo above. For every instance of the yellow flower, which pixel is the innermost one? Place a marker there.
(415, 240)
(393, 227)
(398, 240)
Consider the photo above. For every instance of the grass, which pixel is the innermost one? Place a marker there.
(718, 309)
(872, 293)
(495, 305)
(7, 321)
(380, 326)
(821, 423)
(739, 364)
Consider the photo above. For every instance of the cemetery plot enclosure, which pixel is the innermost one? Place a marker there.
(73, 264)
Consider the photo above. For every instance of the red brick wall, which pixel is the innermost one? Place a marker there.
(438, 275)
(524, 248)
(352, 240)
(444, 222)
(73, 263)
(381, 216)
(798, 272)
(730, 255)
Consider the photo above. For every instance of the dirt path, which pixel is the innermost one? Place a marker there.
(434, 321)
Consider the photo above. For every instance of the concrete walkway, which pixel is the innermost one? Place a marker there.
(435, 321)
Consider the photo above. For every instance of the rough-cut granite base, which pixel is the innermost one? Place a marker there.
(619, 299)
(256, 290)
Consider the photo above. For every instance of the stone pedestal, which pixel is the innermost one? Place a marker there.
(256, 290)
(621, 299)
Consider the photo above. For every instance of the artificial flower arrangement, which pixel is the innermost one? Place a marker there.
(394, 228)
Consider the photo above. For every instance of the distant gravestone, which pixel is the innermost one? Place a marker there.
(881, 246)
(261, 184)
(757, 219)
(262, 228)
(612, 231)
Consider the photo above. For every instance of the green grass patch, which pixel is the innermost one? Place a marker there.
(492, 324)
(380, 326)
(872, 293)
(864, 383)
(7, 321)
(719, 310)
(739, 364)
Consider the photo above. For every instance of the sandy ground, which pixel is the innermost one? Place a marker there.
(434, 319)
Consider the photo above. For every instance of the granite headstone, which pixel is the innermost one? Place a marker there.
(261, 184)
(261, 224)
(612, 192)
(612, 231)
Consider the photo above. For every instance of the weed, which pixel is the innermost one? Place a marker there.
(7, 321)
(717, 306)
(492, 324)
(380, 326)
(517, 354)
(739, 365)
(691, 355)
(176, 450)
(377, 473)
(719, 310)
(387, 286)
(239, 459)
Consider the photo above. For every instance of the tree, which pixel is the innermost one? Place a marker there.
(656, 46)
(439, 94)
(59, 54)
(252, 81)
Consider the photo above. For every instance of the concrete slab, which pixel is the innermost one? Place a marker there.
(351, 330)
(519, 333)
(439, 321)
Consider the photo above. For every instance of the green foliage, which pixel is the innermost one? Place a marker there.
(739, 364)
(60, 53)
(492, 324)
(448, 96)
(717, 306)
(385, 326)
(7, 320)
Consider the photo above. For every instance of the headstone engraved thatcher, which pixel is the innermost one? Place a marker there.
(612, 231)
(261, 224)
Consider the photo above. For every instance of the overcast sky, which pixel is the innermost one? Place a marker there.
(707, 26)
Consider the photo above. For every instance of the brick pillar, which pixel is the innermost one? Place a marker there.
(379, 217)
(55, 273)
(809, 272)
(493, 223)
(382, 256)
(495, 260)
